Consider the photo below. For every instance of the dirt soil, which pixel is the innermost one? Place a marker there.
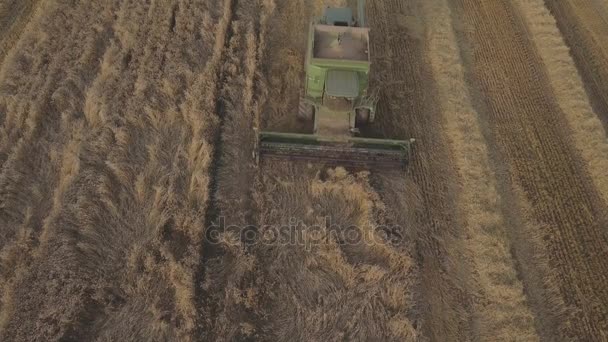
(132, 207)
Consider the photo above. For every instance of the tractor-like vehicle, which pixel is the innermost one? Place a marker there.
(337, 99)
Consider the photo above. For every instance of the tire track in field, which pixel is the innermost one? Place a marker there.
(14, 17)
(584, 24)
(226, 274)
(534, 140)
(408, 109)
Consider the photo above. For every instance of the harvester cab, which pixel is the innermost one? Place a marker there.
(337, 100)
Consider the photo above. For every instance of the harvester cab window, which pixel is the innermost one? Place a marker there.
(339, 17)
(342, 83)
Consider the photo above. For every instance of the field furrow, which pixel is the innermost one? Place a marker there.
(408, 108)
(534, 139)
(588, 135)
(501, 310)
(584, 25)
(228, 290)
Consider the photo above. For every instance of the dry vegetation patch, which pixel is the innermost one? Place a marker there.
(325, 286)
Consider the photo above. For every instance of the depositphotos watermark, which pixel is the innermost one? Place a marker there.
(297, 232)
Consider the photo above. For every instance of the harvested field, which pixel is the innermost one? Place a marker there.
(584, 25)
(500, 311)
(533, 138)
(132, 207)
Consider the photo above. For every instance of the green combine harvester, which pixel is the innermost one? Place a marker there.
(337, 100)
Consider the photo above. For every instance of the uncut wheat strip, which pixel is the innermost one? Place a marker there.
(121, 165)
(195, 116)
(588, 133)
(57, 85)
(109, 233)
(504, 305)
(71, 57)
(385, 273)
(165, 43)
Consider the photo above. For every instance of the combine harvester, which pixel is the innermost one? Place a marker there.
(337, 100)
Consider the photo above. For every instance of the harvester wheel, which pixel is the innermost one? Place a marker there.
(361, 117)
(306, 111)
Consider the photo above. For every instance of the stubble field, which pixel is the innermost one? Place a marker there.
(131, 207)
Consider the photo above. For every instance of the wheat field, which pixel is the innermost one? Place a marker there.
(132, 207)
